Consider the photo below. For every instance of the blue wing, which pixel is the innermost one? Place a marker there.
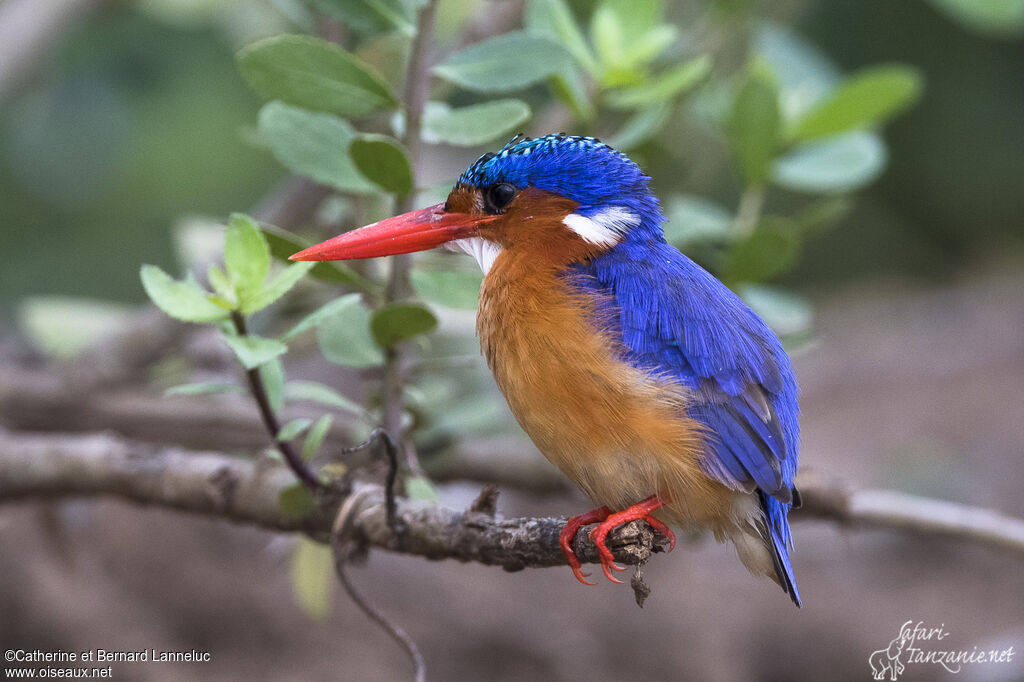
(678, 320)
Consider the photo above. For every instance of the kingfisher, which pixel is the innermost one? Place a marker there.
(643, 378)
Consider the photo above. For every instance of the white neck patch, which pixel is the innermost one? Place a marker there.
(484, 251)
(607, 227)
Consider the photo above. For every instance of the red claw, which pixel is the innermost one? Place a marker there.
(608, 521)
(572, 527)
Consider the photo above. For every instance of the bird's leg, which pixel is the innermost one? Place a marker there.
(662, 530)
(565, 538)
(640, 510)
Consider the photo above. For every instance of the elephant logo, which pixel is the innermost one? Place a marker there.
(888, 660)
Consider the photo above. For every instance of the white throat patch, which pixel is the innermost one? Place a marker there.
(484, 251)
(607, 227)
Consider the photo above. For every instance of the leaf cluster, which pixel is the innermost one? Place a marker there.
(789, 138)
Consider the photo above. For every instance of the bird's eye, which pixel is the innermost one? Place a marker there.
(499, 196)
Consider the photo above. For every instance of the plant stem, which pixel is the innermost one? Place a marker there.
(749, 211)
(394, 631)
(417, 83)
(259, 392)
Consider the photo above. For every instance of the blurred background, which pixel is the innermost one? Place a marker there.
(125, 124)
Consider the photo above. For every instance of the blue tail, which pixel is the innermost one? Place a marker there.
(780, 540)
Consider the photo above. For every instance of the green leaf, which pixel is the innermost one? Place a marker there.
(480, 414)
(823, 213)
(694, 219)
(400, 321)
(554, 19)
(203, 388)
(786, 313)
(313, 144)
(867, 98)
(636, 18)
(627, 35)
(607, 35)
(753, 127)
(222, 285)
(277, 287)
(315, 437)
(313, 577)
(283, 244)
(768, 251)
(181, 299)
(253, 351)
(641, 126)
(314, 74)
(452, 289)
(296, 501)
(651, 45)
(272, 375)
(805, 75)
(994, 18)
(371, 16)
(568, 86)
(63, 326)
(344, 336)
(843, 163)
(246, 256)
(420, 488)
(337, 306)
(510, 61)
(473, 125)
(663, 87)
(382, 160)
(325, 395)
(294, 428)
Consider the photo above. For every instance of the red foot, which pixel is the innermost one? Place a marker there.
(608, 522)
(565, 539)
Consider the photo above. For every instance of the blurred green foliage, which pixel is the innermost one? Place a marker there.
(951, 191)
(140, 118)
(774, 117)
(796, 142)
(132, 125)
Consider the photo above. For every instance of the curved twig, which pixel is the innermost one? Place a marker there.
(259, 394)
(341, 541)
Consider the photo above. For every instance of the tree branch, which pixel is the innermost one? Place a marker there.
(41, 400)
(895, 510)
(48, 466)
(417, 81)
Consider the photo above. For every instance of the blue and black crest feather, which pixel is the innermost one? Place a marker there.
(583, 169)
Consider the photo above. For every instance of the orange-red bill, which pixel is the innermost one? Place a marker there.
(419, 230)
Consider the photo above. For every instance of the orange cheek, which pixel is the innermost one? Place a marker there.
(534, 223)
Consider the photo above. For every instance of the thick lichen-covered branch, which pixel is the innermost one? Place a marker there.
(46, 466)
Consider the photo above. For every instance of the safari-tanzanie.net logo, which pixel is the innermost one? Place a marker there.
(916, 644)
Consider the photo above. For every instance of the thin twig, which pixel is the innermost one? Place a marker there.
(341, 539)
(393, 432)
(259, 393)
(417, 81)
(380, 435)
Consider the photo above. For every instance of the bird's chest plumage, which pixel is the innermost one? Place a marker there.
(618, 432)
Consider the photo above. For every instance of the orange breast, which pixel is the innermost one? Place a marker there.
(619, 433)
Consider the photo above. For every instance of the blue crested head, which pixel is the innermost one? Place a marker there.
(583, 169)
